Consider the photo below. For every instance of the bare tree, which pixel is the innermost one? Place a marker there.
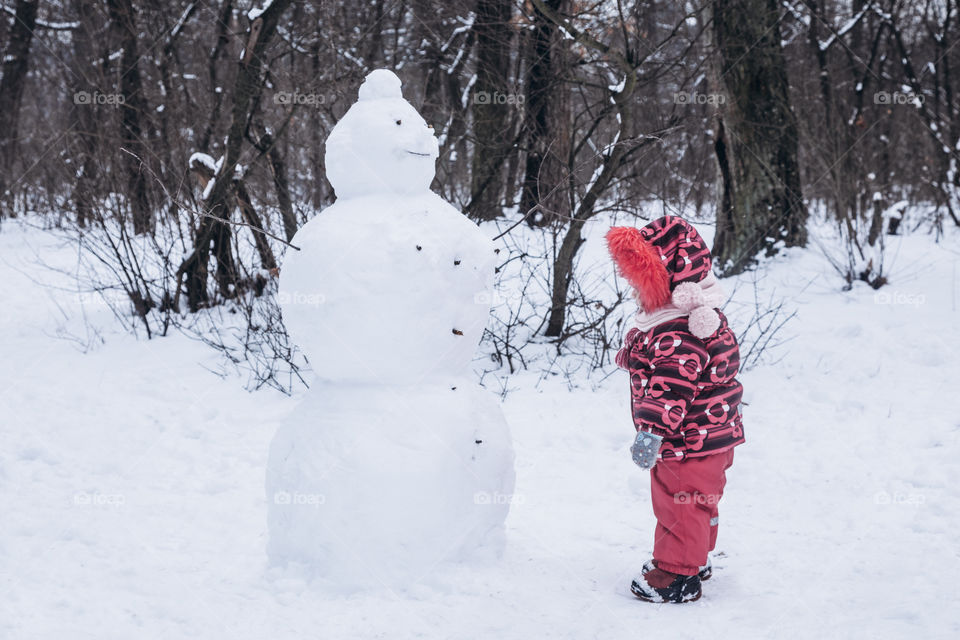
(492, 106)
(756, 139)
(625, 142)
(133, 110)
(546, 118)
(16, 60)
(212, 237)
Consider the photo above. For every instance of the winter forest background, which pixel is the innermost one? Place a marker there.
(119, 120)
(158, 157)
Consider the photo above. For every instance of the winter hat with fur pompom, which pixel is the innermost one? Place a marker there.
(667, 263)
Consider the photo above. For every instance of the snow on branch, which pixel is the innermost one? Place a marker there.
(256, 12)
(44, 24)
(845, 29)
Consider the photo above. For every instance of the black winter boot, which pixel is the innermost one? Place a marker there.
(705, 571)
(656, 586)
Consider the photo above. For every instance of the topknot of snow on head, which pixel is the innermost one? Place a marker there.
(379, 84)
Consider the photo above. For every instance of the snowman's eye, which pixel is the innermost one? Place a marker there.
(399, 122)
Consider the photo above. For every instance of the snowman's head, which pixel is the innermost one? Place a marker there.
(381, 145)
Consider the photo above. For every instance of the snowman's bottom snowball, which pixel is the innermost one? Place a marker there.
(378, 486)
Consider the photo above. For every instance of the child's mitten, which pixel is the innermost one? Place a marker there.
(645, 449)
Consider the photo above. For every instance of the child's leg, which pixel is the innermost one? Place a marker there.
(715, 514)
(685, 496)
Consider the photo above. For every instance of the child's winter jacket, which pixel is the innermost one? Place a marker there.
(683, 357)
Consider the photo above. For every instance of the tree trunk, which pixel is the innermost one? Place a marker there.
(132, 109)
(548, 140)
(611, 162)
(761, 185)
(493, 107)
(213, 234)
(252, 218)
(16, 59)
(278, 170)
(838, 137)
(223, 38)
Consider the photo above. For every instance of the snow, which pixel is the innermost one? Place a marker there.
(379, 266)
(205, 160)
(45, 24)
(378, 486)
(381, 145)
(131, 482)
(380, 84)
(178, 27)
(207, 190)
(58, 26)
(387, 246)
(466, 24)
(896, 210)
(850, 24)
(214, 166)
(256, 12)
(394, 447)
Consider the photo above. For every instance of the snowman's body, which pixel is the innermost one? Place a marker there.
(394, 461)
(384, 287)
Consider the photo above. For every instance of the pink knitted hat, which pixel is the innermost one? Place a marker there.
(665, 262)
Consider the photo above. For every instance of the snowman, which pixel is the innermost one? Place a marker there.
(394, 462)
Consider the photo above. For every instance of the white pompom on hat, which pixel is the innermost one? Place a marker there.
(689, 298)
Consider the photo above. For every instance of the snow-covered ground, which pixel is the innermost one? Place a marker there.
(132, 484)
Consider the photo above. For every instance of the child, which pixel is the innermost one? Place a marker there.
(683, 360)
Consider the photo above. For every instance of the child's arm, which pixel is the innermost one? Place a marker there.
(623, 356)
(678, 359)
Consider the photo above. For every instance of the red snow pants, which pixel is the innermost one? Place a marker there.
(685, 497)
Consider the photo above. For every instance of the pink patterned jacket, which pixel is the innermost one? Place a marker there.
(684, 388)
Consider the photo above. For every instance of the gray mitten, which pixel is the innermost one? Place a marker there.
(645, 449)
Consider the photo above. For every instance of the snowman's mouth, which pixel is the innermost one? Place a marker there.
(417, 153)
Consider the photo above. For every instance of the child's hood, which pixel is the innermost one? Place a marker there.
(668, 263)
